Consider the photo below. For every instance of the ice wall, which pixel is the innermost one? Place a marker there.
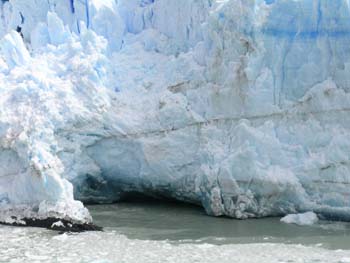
(239, 106)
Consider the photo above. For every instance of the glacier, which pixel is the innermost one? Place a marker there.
(239, 106)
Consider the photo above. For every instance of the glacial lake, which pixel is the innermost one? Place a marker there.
(170, 232)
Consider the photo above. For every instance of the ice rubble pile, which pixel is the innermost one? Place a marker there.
(239, 106)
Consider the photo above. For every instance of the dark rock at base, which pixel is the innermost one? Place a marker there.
(57, 224)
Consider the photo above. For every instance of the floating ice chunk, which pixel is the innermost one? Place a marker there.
(305, 219)
(57, 224)
(62, 237)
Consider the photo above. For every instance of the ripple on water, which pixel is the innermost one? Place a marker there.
(37, 245)
(156, 232)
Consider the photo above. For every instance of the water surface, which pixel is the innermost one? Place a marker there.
(176, 222)
(142, 232)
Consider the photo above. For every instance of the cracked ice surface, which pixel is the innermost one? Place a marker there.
(239, 106)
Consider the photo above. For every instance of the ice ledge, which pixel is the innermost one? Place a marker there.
(60, 216)
(70, 211)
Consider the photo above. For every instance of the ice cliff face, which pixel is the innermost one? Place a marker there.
(239, 106)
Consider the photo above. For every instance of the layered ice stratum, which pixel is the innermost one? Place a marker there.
(241, 106)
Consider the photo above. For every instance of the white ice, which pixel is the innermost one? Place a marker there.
(239, 106)
(108, 247)
(303, 219)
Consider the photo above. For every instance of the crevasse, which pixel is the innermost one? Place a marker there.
(239, 106)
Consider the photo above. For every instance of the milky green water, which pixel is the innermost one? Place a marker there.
(143, 232)
(154, 220)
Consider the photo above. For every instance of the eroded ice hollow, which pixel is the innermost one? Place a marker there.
(239, 106)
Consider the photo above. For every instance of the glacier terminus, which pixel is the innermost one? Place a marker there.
(239, 106)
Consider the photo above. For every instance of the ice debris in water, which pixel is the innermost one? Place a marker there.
(304, 219)
(239, 106)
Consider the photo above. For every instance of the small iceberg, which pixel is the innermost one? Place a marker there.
(304, 219)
